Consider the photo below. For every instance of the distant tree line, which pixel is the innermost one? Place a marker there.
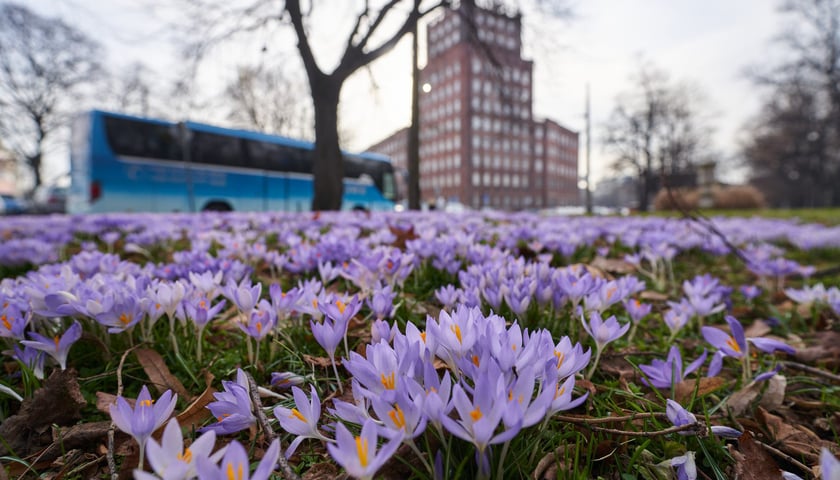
(793, 145)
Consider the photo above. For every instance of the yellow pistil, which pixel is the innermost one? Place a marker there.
(560, 357)
(559, 391)
(238, 474)
(733, 344)
(341, 306)
(423, 336)
(362, 451)
(157, 306)
(186, 456)
(124, 319)
(202, 304)
(314, 303)
(56, 339)
(610, 292)
(6, 322)
(476, 414)
(457, 331)
(397, 416)
(296, 414)
(475, 360)
(145, 403)
(389, 382)
(259, 328)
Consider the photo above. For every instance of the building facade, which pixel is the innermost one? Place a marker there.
(479, 142)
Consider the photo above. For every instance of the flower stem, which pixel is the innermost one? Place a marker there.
(500, 470)
(413, 446)
(591, 371)
(337, 378)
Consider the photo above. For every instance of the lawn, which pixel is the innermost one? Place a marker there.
(419, 345)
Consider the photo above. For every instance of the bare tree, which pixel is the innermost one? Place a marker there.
(655, 131)
(132, 90)
(268, 100)
(44, 64)
(801, 114)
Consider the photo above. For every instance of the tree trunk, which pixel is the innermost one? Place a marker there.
(34, 162)
(327, 164)
(644, 191)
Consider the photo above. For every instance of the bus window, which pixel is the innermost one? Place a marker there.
(142, 139)
(388, 187)
(278, 158)
(217, 150)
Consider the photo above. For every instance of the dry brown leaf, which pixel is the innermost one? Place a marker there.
(613, 265)
(322, 362)
(159, 375)
(653, 296)
(196, 412)
(684, 390)
(105, 400)
(752, 462)
(827, 349)
(795, 440)
(774, 395)
(742, 400)
(321, 471)
(758, 328)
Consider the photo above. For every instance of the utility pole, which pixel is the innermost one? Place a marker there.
(588, 150)
(413, 159)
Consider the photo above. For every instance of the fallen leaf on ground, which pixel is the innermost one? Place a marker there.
(684, 390)
(752, 462)
(613, 265)
(196, 413)
(158, 372)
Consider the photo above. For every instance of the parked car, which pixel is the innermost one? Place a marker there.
(11, 205)
(50, 199)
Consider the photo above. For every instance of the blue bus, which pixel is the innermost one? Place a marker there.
(120, 163)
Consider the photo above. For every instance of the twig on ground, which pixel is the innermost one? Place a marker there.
(784, 456)
(112, 465)
(266, 428)
(591, 423)
(812, 370)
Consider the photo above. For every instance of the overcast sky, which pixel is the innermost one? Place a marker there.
(709, 43)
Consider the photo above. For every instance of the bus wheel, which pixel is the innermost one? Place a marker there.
(217, 207)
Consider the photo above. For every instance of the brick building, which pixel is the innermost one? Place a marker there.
(479, 142)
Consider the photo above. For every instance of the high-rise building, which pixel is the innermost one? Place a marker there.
(479, 142)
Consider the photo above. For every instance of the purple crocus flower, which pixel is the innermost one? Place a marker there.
(665, 374)
(56, 347)
(12, 321)
(686, 468)
(245, 296)
(636, 309)
(735, 345)
(301, 420)
(123, 315)
(285, 380)
(829, 465)
(479, 417)
(146, 416)
(750, 292)
(236, 464)
(170, 460)
(261, 321)
(603, 332)
(339, 311)
(382, 303)
(232, 409)
(679, 416)
(32, 358)
(359, 454)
